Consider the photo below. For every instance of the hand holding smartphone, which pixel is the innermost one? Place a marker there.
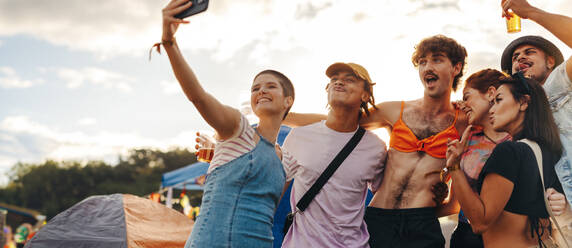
(198, 6)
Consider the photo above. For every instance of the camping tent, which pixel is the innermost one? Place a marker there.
(114, 221)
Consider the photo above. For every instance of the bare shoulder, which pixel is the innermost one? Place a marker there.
(390, 110)
(385, 114)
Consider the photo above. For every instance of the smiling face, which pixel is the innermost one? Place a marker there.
(267, 97)
(507, 114)
(346, 89)
(532, 61)
(476, 106)
(437, 73)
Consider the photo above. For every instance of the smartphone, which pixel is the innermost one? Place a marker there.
(198, 6)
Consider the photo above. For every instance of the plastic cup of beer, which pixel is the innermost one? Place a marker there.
(513, 23)
(205, 154)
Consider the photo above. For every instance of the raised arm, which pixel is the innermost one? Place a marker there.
(224, 119)
(559, 25)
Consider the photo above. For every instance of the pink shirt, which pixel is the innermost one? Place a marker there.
(334, 218)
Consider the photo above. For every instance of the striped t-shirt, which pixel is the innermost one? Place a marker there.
(243, 142)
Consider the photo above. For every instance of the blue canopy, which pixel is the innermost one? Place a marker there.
(185, 176)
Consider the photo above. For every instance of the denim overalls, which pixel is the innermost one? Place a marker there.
(239, 201)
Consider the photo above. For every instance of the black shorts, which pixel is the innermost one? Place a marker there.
(463, 237)
(413, 227)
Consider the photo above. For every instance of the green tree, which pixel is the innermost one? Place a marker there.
(51, 187)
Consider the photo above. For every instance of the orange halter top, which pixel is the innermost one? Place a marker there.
(404, 140)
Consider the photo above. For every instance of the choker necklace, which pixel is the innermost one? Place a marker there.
(489, 138)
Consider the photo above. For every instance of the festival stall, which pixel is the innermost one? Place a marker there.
(190, 177)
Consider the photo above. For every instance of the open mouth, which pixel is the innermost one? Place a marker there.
(430, 78)
(468, 113)
(524, 66)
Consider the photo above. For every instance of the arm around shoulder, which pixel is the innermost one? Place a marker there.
(384, 116)
(299, 119)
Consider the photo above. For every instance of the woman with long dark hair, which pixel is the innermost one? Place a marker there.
(510, 209)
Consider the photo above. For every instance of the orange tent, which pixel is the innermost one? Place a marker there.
(117, 220)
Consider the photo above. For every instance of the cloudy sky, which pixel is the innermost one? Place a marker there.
(76, 82)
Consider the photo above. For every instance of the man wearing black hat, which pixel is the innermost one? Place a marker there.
(540, 59)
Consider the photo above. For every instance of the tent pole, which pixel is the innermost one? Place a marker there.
(168, 202)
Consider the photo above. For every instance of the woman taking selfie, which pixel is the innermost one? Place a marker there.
(510, 210)
(248, 172)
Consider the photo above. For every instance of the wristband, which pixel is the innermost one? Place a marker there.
(453, 167)
(158, 46)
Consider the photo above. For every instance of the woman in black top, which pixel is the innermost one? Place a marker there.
(510, 210)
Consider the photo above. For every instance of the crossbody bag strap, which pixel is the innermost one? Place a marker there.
(538, 154)
(329, 171)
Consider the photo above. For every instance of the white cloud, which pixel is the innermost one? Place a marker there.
(113, 27)
(106, 27)
(9, 78)
(170, 87)
(87, 121)
(75, 78)
(22, 139)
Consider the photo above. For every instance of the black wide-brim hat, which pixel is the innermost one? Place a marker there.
(537, 41)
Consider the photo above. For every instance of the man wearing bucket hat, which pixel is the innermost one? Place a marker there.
(334, 217)
(540, 59)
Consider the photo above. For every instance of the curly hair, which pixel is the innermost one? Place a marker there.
(440, 43)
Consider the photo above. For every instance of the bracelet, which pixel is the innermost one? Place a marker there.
(453, 167)
(167, 42)
(445, 174)
(158, 46)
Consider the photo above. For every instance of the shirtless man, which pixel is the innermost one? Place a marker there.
(402, 212)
